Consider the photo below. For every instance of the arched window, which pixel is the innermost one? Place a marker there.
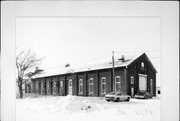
(90, 86)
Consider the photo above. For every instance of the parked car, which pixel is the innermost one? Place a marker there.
(116, 96)
(143, 95)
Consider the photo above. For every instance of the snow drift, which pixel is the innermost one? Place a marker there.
(75, 108)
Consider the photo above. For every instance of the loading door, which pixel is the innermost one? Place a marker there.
(142, 82)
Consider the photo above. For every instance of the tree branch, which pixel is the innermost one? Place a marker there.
(25, 62)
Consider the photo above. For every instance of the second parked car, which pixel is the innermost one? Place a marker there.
(143, 95)
(117, 96)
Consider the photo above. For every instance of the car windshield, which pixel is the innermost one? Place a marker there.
(112, 93)
(141, 93)
(118, 93)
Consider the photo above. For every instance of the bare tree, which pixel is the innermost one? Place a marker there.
(27, 67)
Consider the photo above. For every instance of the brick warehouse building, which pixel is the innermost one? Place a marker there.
(131, 75)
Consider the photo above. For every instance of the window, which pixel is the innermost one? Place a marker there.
(103, 85)
(32, 87)
(151, 85)
(37, 87)
(42, 88)
(142, 64)
(70, 87)
(54, 87)
(132, 80)
(61, 86)
(117, 83)
(91, 86)
(80, 86)
(54, 84)
(47, 85)
(70, 83)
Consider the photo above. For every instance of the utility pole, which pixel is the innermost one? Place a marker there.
(113, 74)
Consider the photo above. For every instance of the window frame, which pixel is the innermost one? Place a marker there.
(37, 87)
(119, 77)
(103, 83)
(142, 64)
(80, 85)
(54, 87)
(70, 86)
(48, 87)
(151, 86)
(61, 86)
(90, 84)
(54, 84)
(132, 81)
(42, 87)
(70, 83)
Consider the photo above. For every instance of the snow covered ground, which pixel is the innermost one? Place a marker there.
(75, 108)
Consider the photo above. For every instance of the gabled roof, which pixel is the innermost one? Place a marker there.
(148, 60)
(105, 65)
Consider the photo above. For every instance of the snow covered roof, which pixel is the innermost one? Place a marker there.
(105, 65)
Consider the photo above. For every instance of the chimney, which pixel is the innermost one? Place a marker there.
(122, 58)
(67, 65)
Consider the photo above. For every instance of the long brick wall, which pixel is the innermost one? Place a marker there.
(59, 85)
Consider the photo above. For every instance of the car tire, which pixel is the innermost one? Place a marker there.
(128, 99)
(108, 100)
(117, 100)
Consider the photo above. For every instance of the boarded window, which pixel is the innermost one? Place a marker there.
(103, 85)
(117, 83)
(80, 86)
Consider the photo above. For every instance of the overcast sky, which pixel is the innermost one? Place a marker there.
(85, 40)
